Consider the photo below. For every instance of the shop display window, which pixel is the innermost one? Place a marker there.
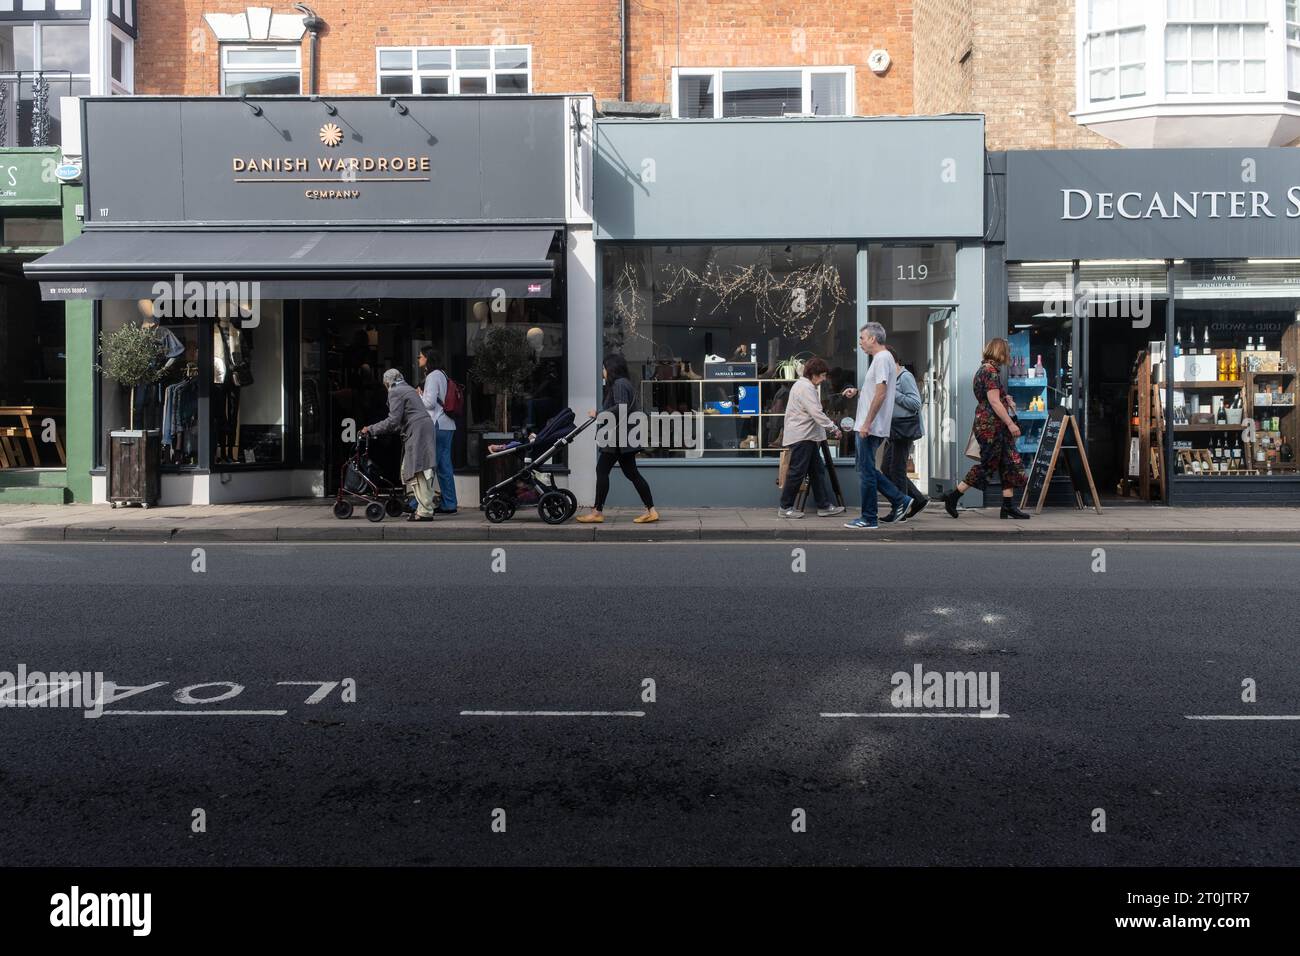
(724, 330)
(170, 405)
(1236, 350)
(248, 396)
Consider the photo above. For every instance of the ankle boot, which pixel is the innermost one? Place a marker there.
(950, 501)
(1009, 510)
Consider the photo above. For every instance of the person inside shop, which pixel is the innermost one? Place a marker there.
(904, 430)
(996, 432)
(619, 393)
(806, 427)
(433, 394)
(408, 416)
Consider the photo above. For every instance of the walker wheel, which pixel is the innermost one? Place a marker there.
(395, 508)
(498, 510)
(342, 509)
(554, 507)
(374, 511)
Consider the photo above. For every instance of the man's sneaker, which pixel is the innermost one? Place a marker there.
(830, 512)
(789, 513)
(899, 514)
(859, 524)
(918, 505)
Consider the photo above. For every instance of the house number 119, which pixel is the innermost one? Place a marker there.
(912, 273)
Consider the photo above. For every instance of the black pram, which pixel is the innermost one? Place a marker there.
(555, 505)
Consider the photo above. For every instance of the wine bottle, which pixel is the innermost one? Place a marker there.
(1222, 417)
(1250, 343)
(1234, 369)
(1206, 340)
(1178, 342)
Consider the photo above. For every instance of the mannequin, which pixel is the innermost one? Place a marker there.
(146, 397)
(230, 347)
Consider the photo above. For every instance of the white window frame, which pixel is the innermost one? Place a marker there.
(226, 69)
(1292, 44)
(125, 86)
(454, 74)
(806, 74)
(1155, 18)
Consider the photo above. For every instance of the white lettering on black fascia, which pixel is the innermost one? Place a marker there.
(1078, 204)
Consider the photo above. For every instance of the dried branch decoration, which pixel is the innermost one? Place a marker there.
(800, 302)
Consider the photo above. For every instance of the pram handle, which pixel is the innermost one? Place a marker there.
(524, 446)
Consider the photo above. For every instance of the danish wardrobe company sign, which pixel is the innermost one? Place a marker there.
(1138, 203)
(303, 160)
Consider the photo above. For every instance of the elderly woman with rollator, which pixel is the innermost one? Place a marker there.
(408, 416)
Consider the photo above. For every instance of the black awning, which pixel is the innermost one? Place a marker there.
(459, 264)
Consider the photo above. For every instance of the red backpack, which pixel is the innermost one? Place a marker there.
(453, 403)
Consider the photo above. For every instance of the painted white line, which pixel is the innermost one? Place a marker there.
(930, 714)
(552, 713)
(196, 713)
(1242, 716)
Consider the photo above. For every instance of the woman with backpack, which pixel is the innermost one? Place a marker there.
(434, 395)
(619, 391)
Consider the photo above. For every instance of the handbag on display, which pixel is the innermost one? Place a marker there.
(238, 374)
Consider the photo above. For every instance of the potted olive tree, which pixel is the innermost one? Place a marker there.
(132, 356)
(502, 364)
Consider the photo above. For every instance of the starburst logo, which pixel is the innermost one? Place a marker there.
(331, 134)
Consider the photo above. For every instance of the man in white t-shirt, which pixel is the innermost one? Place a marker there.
(875, 413)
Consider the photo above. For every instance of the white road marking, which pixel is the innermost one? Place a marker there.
(895, 713)
(196, 713)
(552, 713)
(1242, 716)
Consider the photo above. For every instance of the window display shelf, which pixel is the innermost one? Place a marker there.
(1236, 383)
(1208, 428)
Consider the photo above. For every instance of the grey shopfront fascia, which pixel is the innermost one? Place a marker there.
(469, 199)
(852, 181)
(1082, 208)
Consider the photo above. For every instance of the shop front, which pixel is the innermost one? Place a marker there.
(1155, 296)
(731, 251)
(33, 401)
(288, 250)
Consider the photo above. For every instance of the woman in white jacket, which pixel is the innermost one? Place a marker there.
(806, 427)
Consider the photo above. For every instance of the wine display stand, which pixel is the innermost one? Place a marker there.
(1266, 396)
(1144, 452)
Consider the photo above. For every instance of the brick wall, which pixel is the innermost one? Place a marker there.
(575, 42)
(773, 33)
(1020, 72)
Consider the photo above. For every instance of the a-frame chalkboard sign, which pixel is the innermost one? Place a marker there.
(1061, 442)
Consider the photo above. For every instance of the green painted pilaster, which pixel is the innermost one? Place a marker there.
(79, 440)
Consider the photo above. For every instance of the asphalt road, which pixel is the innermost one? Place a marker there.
(1097, 674)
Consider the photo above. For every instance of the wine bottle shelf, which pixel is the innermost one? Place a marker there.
(1208, 428)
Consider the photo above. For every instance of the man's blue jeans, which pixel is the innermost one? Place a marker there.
(446, 478)
(872, 480)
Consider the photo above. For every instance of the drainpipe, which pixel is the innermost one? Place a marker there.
(622, 50)
(313, 24)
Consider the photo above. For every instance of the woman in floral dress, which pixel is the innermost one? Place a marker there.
(996, 431)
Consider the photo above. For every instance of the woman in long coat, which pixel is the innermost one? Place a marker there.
(407, 415)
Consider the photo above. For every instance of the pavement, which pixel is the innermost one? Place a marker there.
(312, 520)
(674, 704)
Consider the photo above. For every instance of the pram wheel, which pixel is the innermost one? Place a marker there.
(375, 511)
(555, 507)
(573, 501)
(343, 509)
(498, 510)
(395, 508)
